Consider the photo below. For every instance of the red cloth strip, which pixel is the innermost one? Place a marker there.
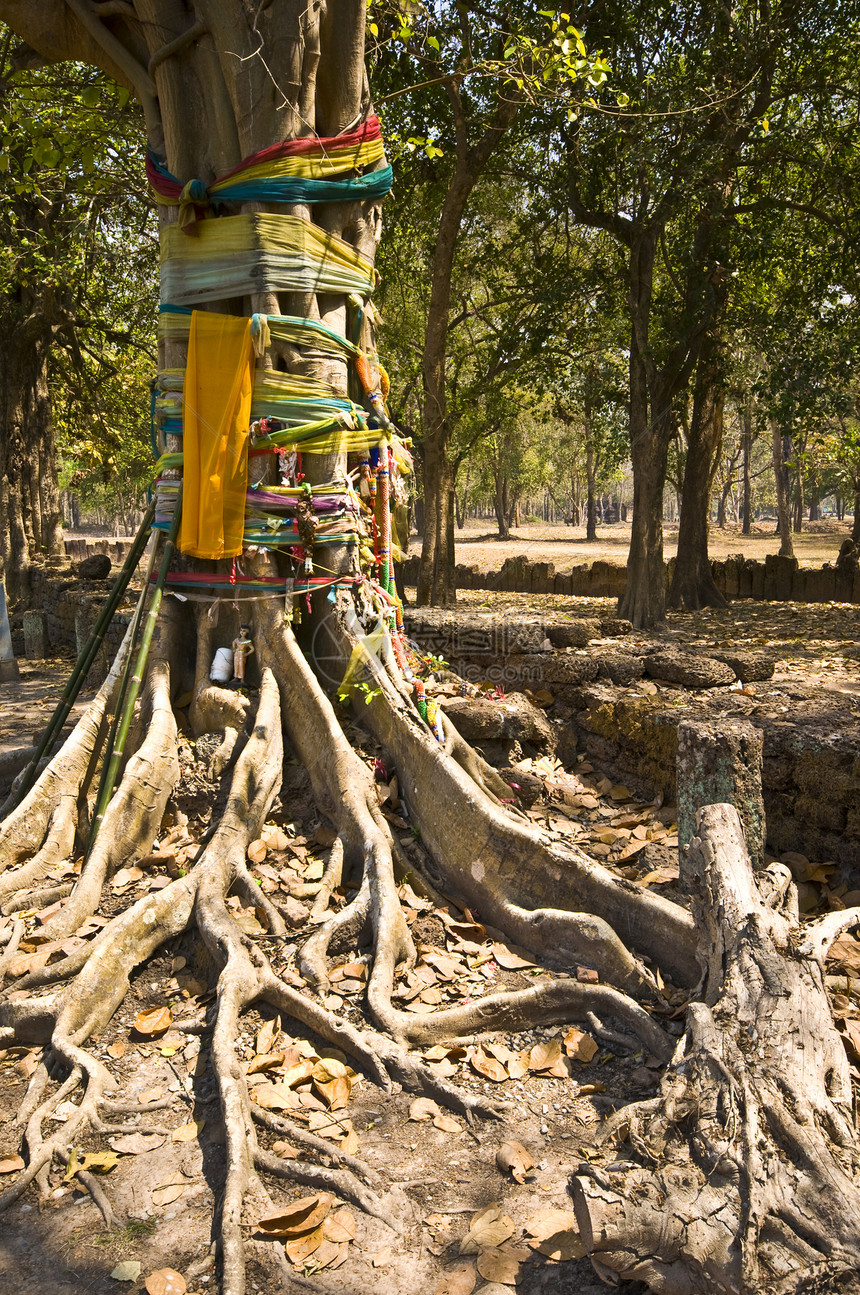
(368, 130)
(310, 144)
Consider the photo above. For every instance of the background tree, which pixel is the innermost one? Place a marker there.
(665, 176)
(67, 153)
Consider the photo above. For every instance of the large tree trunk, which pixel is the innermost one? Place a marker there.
(741, 1176)
(692, 580)
(644, 600)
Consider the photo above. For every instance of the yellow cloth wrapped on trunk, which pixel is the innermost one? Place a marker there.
(216, 412)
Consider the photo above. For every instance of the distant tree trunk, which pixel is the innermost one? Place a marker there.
(855, 529)
(786, 548)
(436, 579)
(29, 491)
(746, 435)
(722, 505)
(692, 579)
(461, 501)
(798, 500)
(502, 504)
(590, 460)
(436, 576)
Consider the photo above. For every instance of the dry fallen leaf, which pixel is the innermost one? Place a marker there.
(11, 1164)
(332, 1126)
(382, 1257)
(845, 953)
(332, 1082)
(266, 1036)
(301, 1248)
(423, 1108)
(496, 1266)
(165, 1281)
(349, 1145)
(265, 1061)
(329, 1254)
(445, 1069)
(136, 1144)
(274, 837)
(298, 1218)
(274, 1097)
(489, 1227)
(555, 1234)
(547, 1057)
(257, 851)
(297, 1073)
(187, 1132)
(446, 1123)
(167, 1194)
(512, 1158)
(116, 1050)
(94, 1162)
(150, 1095)
(511, 959)
(155, 1020)
(459, 1281)
(580, 1046)
(285, 1150)
(339, 1226)
(487, 1066)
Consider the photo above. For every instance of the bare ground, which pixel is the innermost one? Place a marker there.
(449, 1173)
(478, 544)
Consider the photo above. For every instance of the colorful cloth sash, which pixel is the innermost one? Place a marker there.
(215, 423)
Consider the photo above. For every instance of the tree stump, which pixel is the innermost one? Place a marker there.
(741, 1176)
(721, 764)
(35, 636)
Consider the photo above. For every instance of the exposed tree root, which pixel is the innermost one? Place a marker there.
(504, 866)
(733, 1095)
(134, 814)
(296, 1133)
(26, 830)
(742, 1175)
(58, 844)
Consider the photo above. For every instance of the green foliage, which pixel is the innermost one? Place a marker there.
(77, 253)
(541, 55)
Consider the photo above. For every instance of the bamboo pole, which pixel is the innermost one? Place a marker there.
(126, 674)
(113, 758)
(85, 659)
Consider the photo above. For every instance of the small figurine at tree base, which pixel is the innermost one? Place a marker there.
(242, 649)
